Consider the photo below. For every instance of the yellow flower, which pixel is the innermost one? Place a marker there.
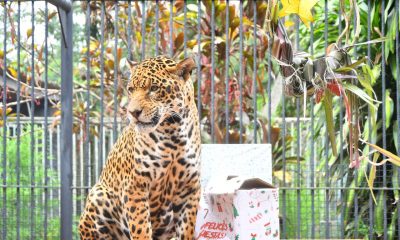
(300, 7)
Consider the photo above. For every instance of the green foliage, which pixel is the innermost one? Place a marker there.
(26, 179)
(306, 213)
(371, 125)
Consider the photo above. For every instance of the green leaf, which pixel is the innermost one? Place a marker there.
(379, 215)
(360, 93)
(391, 157)
(358, 62)
(327, 102)
(395, 133)
(377, 40)
(293, 160)
(376, 70)
(365, 78)
(219, 7)
(396, 184)
(28, 32)
(387, 8)
(371, 179)
(393, 63)
(274, 11)
(389, 108)
(344, 69)
(393, 224)
(189, 15)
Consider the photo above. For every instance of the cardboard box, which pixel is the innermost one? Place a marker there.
(238, 208)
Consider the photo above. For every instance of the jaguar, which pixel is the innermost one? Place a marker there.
(149, 187)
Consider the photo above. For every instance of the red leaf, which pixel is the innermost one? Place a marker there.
(335, 88)
(318, 95)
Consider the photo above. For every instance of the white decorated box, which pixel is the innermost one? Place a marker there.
(238, 208)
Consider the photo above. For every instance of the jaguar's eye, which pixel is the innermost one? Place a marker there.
(153, 88)
(130, 89)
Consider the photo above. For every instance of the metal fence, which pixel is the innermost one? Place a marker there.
(62, 88)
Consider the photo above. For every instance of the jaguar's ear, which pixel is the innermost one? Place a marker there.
(131, 63)
(184, 68)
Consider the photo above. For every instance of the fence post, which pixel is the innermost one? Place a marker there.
(66, 124)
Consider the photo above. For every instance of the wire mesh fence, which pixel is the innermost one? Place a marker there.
(63, 77)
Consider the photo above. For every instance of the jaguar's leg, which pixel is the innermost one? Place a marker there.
(100, 219)
(137, 213)
(186, 213)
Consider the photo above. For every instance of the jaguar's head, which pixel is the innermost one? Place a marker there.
(159, 89)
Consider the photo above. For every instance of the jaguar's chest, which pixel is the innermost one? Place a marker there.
(168, 158)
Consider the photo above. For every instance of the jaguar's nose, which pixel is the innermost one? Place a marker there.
(136, 113)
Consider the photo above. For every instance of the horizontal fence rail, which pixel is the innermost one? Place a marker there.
(63, 76)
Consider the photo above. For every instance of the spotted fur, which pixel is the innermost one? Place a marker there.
(149, 188)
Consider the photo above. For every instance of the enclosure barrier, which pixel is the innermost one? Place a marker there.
(62, 106)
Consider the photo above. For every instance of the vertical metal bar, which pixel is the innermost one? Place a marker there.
(157, 27)
(75, 182)
(312, 150)
(199, 58)
(18, 160)
(326, 147)
(43, 195)
(342, 167)
(91, 165)
(255, 68)
(212, 70)
(384, 118)
(110, 143)
(227, 42)
(46, 131)
(82, 160)
(116, 80)
(51, 147)
(56, 164)
(284, 225)
(298, 142)
(298, 227)
(104, 144)
(327, 174)
(370, 202)
(356, 224)
(101, 150)
(340, 23)
(4, 163)
(143, 54)
(291, 131)
(241, 72)
(32, 106)
(184, 28)
(171, 28)
(298, 168)
(397, 46)
(66, 129)
(96, 165)
(87, 119)
(269, 114)
(129, 33)
(66, 5)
